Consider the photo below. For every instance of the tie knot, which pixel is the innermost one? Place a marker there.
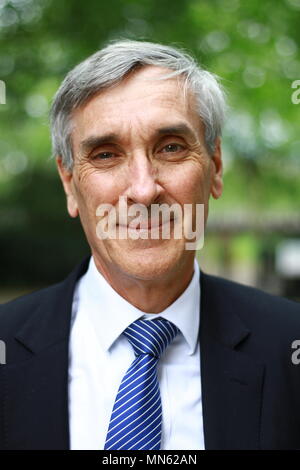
(150, 336)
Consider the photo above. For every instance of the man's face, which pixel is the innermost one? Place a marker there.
(143, 141)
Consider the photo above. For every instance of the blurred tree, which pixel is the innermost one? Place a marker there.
(253, 46)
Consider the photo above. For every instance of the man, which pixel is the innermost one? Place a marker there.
(138, 348)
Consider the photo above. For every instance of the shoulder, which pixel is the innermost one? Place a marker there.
(15, 312)
(254, 306)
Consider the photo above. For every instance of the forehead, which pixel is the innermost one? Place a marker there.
(141, 100)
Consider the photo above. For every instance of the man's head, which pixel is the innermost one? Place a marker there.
(141, 121)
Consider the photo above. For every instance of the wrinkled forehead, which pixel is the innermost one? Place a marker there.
(144, 98)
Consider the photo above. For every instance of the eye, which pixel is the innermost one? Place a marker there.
(103, 155)
(172, 148)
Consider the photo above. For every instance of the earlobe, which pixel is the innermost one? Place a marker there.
(72, 206)
(217, 187)
(217, 179)
(66, 177)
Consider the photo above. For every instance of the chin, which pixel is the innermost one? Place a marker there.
(149, 264)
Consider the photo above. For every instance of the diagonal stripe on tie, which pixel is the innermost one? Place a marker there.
(136, 417)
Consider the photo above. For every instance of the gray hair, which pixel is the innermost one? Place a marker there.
(110, 65)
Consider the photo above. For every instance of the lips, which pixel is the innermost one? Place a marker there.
(147, 224)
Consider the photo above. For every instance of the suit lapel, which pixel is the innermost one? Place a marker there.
(231, 380)
(36, 387)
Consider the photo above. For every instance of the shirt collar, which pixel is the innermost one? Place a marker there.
(111, 314)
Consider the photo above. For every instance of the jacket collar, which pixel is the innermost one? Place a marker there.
(50, 322)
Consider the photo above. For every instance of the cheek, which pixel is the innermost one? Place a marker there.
(94, 188)
(189, 182)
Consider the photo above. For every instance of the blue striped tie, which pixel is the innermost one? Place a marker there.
(135, 423)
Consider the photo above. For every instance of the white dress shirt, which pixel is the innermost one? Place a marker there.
(99, 356)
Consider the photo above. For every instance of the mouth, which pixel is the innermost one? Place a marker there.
(148, 224)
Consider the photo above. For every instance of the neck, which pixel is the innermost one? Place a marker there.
(149, 296)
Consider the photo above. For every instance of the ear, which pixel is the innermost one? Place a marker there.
(216, 188)
(66, 177)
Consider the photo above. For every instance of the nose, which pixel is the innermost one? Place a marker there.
(143, 185)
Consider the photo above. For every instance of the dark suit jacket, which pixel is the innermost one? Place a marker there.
(250, 386)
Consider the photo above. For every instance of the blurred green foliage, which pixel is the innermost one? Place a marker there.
(253, 46)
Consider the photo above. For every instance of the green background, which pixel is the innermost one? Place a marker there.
(253, 46)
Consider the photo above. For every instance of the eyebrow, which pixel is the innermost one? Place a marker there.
(96, 141)
(179, 129)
